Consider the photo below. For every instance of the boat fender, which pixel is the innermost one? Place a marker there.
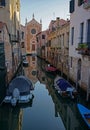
(13, 101)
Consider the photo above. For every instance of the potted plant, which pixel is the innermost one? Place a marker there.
(82, 46)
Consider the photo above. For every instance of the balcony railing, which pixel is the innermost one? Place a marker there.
(84, 52)
(86, 4)
(83, 49)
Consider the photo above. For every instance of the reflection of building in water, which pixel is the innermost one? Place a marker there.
(34, 71)
(2, 84)
(41, 74)
(64, 108)
(71, 119)
(31, 70)
(10, 119)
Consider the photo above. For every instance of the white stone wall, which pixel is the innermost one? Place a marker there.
(80, 15)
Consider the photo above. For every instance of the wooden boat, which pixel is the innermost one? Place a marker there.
(19, 91)
(85, 113)
(64, 88)
(51, 69)
(25, 63)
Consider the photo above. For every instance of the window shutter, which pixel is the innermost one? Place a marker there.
(72, 6)
(88, 34)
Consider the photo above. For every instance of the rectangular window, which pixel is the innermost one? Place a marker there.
(80, 2)
(67, 39)
(2, 2)
(88, 33)
(63, 39)
(18, 36)
(72, 6)
(71, 63)
(81, 32)
(37, 39)
(22, 35)
(33, 47)
(60, 40)
(43, 36)
(72, 35)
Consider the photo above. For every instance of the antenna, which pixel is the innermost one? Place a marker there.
(26, 21)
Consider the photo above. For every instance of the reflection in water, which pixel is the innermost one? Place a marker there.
(31, 71)
(49, 111)
(11, 117)
(65, 108)
(2, 84)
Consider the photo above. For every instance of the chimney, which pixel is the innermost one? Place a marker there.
(57, 21)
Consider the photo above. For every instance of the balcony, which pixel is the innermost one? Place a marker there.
(83, 49)
(14, 38)
(84, 52)
(86, 4)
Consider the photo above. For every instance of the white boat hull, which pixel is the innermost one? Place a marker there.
(13, 101)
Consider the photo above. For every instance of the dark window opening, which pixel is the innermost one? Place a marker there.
(2, 2)
(80, 2)
(43, 36)
(72, 36)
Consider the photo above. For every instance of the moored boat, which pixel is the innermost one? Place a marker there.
(85, 113)
(64, 88)
(50, 69)
(19, 91)
(25, 63)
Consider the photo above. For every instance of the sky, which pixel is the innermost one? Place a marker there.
(46, 10)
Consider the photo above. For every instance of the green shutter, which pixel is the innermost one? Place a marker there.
(72, 6)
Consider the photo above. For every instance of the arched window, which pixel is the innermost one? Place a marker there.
(33, 47)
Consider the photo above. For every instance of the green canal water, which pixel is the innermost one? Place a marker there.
(47, 110)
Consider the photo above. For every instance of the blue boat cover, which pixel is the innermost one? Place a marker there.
(63, 84)
(22, 83)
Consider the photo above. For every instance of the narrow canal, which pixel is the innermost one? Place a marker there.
(46, 110)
